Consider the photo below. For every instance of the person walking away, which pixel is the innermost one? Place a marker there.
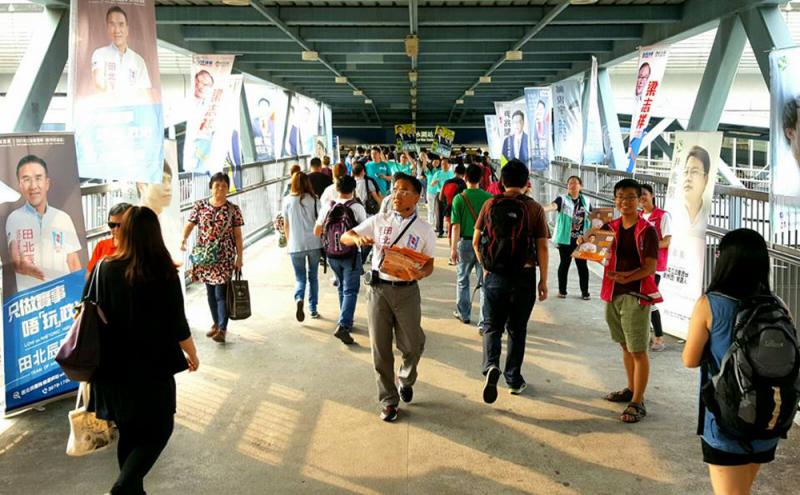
(464, 214)
(319, 180)
(662, 222)
(219, 223)
(629, 289)
(300, 211)
(335, 219)
(509, 240)
(326, 166)
(145, 342)
(394, 304)
(572, 222)
(450, 189)
(432, 190)
(330, 194)
(442, 176)
(107, 247)
(741, 277)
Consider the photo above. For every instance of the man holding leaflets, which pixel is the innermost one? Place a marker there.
(404, 249)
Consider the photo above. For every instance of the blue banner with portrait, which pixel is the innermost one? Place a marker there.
(35, 322)
(539, 105)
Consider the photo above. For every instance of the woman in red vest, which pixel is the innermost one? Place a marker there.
(662, 221)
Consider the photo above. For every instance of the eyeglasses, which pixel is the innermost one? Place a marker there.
(113, 225)
(695, 173)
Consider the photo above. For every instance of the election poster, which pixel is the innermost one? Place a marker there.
(652, 63)
(303, 126)
(568, 120)
(206, 141)
(785, 139)
(326, 129)
(321, 146)
(693, 176)
(538, 102)
(406, 137)
(593, 152)
(231, 126)
(267, 106)
(115, 88)
(44, 259)
(443, 141)
(493, 138)
(513, 127)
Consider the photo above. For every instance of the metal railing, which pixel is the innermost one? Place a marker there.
(732, 208)
(258, 195)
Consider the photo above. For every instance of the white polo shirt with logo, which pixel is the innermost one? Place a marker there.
(385, 227)
(45, 240)
(122, 71)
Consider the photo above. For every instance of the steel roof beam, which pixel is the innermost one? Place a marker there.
(274, 18)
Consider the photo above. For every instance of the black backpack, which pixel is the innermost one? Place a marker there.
(505, 242)
(370, 204)
(754, 393)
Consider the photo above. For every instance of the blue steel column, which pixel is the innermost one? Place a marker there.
(38, 74)
(246, 130)
(766, 31)
(610, 122)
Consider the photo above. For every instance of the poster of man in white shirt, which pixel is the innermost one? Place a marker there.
(45, 234)
(116, 67)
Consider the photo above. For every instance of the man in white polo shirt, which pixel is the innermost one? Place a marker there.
(41, 239)
(394, 304)
(115, 67)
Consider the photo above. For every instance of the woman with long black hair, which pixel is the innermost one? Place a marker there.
(146, 342)
(742, 271)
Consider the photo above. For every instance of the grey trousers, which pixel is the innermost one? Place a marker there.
(395, 311)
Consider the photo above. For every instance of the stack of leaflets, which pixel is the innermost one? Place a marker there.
(403, 263)
(600, 216)
(595, 246)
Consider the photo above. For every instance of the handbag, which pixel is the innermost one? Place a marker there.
(87, 433)
(237, 298)
(208, 254)
(79, 354)
(370, 204)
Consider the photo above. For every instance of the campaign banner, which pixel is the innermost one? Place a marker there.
(695, 161)
(443, 141)
(593, 152)
(303, 126)
(652, 63)
(326, 129)
(320, 146)
(44, 259)
(406, 137)
(785, 139)
(204, 147)
(493, 138)
(231, 126)
(538, 102)
(513, 130)
(115, 87)
(568, 120)
(267, 106)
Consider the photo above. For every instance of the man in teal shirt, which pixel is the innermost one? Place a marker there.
(443, 175)
(378, 169)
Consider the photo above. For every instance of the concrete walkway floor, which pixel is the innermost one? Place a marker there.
(286, 408)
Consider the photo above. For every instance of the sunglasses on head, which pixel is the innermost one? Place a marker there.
(113, 225)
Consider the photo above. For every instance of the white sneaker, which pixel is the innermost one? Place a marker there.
(517, 390)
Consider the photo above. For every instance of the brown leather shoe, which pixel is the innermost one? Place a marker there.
(213, 331)
(219, 337)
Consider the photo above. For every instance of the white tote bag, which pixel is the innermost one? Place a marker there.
(87, 433)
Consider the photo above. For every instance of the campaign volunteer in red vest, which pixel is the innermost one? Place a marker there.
(629, 289)
(662, 222)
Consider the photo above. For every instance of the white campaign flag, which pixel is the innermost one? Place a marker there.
(652, 63)
(567, 120)
(689, 195)
(493, 138)
(592, 127)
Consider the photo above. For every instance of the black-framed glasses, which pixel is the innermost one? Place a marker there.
(113, 225)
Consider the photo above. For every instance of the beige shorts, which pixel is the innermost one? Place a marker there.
(629, 322)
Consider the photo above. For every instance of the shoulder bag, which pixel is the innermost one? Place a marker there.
(237, 300)
(208, 254)
(87, 433)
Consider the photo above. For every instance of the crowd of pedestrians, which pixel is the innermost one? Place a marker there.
(359, 218)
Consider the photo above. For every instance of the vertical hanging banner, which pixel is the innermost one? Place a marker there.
(443, 141)
(567, 120)
(267, 106)
(785, 139)
(593, 152)
(513, 129)
(320, 146)
(493, 138)
(232, 126)
(538, 102)
(44, 259)
(652, 64)
(326, 117)
(689, 195)
(406, 137)
(116, 90)
(204, 148)
(303, 126)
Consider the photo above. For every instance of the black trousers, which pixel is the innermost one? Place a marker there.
(655, 316)
(565, 255)
(141, 441)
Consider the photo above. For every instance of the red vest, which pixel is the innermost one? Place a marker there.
(647, 285)
(663, 253)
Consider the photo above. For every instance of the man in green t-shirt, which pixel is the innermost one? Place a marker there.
(466, 207)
